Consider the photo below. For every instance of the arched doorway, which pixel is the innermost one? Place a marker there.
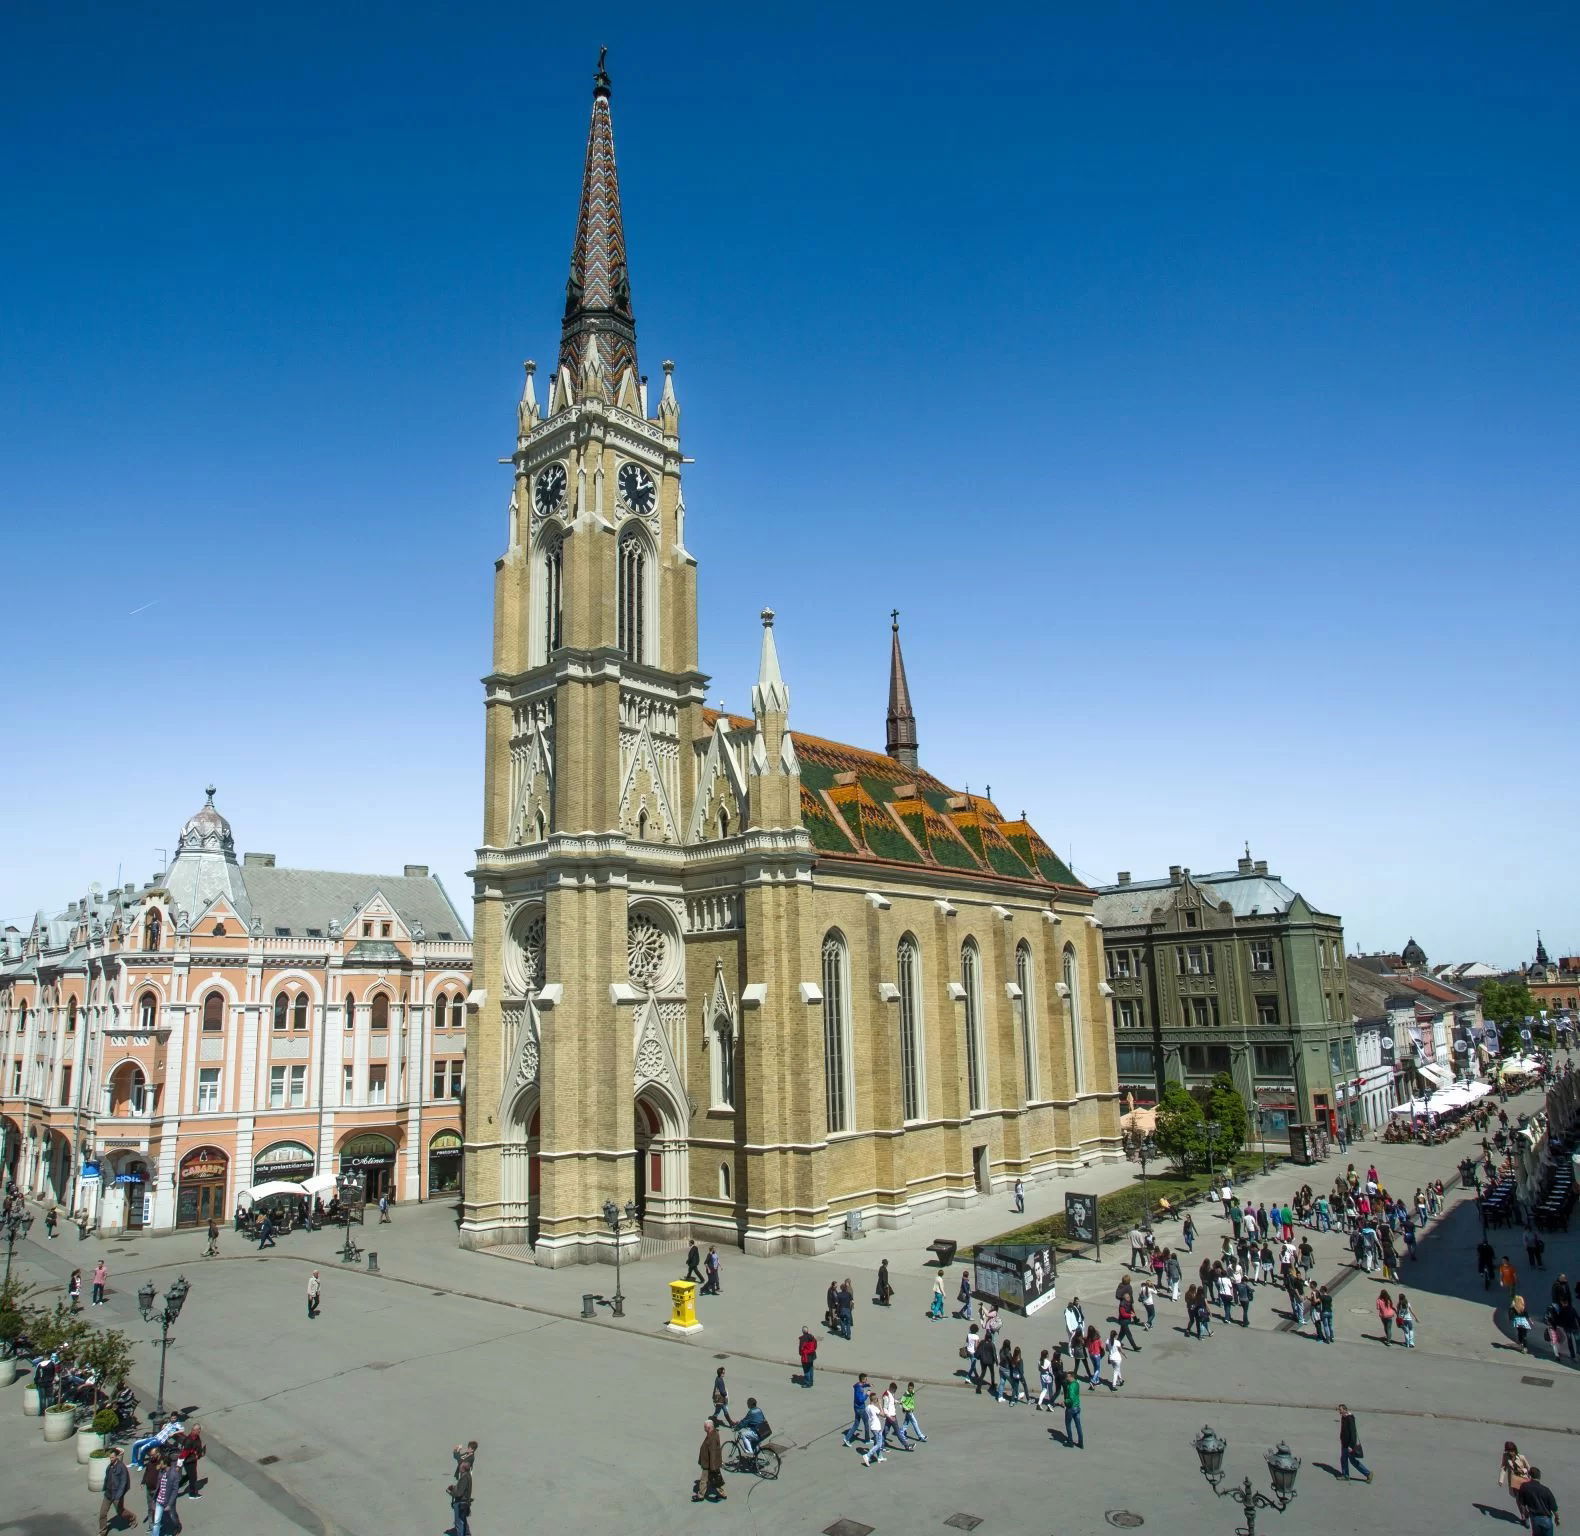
(59, 1152)
(200, 1187)
(126, 1197)
(661, 1178)
(128, 1090)
(520, 1165)
(370, 1157)
(12, 1133)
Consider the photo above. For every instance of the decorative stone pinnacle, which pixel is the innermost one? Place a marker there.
(530, 366)
(768, 618)
(210, 792)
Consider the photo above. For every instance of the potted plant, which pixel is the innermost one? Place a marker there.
(16, 1313)
(98, 1466)
(60, 1421)
(95, 1435)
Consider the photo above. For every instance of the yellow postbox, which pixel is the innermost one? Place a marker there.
(683, 1306)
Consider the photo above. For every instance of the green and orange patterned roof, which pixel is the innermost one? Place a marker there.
(859, 804)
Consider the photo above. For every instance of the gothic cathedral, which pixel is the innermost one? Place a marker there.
(751, 981)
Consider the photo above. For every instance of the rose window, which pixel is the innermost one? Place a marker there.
(646, 951)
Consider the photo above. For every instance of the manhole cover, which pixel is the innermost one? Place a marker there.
(964, 1522)
(1537, 1381)
(1124, 1519)
(721, 1357)
(267, 1461)
(847, 1528)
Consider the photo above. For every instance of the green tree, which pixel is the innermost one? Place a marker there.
(1507, 1002)
(1234, 1124)
(1180, 1132)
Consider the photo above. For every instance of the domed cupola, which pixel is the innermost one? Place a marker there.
(1414, 956)
(208, 831)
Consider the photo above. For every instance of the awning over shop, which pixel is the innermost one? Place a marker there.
(1440, 1077)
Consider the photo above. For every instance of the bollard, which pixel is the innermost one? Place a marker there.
(373, 1262)
(589, 1302)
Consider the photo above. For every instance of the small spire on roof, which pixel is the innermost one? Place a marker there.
(211, 791)
(901, 733)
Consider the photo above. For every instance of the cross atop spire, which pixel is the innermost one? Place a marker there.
(598, 291)
(902, 722)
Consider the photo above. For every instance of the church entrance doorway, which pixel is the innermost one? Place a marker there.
(521, 1166)
(660, 1176)
(979, 1170)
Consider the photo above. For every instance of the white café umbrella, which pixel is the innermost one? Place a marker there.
(276, 1187)
(320, 1184)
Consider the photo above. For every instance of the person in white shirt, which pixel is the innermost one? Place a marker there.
(1116, 1361)
(1074, 1317)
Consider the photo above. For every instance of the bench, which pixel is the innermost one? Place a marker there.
(943, 1249)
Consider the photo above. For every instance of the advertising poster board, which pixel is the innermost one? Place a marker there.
(1017, 1276)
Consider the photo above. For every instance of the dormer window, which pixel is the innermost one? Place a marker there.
(367, 930)
(384, 930)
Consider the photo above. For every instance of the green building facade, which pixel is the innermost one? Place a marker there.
(1229, 972)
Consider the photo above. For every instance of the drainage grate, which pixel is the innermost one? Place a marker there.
(380, 1365)
(267, 1461)
(721, 1357)
(1124, 1519)
(847, 1528)
(964, 1522)
(1537, 1381)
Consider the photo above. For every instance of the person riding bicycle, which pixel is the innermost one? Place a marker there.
(752, 1427)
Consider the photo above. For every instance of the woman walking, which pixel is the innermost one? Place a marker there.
(1386, 1313)
(1116, 1361)
(74, 1290)
(1404, 1314)
(1044, 1382)
(936, 1311)
(1172, 1273)
(1094, 1355)
(1513, 1473)
(1520, 1321)
(1149, 1303)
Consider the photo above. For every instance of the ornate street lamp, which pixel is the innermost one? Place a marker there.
(17, 1221)
(175, 1299)
(1261, 1134)
(617, 1221)
(1282, 1466)
(1212, 1128)
(1147, 1151)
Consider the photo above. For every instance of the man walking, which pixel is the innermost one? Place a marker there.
(964, 1295)
(1486, 1263)
(1020, 1198)
(101, 1273)
(312, 1295)
(265, 1235)
(1350, 1446)
(117, 1484)
(711, 1284)
(212, 1251)
(460, 1492)
(693, 1262)
(806, 1348)
(721, 1400)
(859, 1395)
(1073, 1434)
(1508, 1278)
(384, 1210)
(165, 1520)
(710, 1461)
(1537, 1504)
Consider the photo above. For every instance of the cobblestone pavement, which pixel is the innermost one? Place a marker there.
(344, 1425)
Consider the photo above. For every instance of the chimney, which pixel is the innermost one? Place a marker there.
(416, 871)
(1260, 868)
(1174, 874)
(1124, 877)
(257, 861)
(1247, 865)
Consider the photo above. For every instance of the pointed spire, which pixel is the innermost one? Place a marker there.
(598, 293)
(902, 722)
(770, 696)
(527, 411)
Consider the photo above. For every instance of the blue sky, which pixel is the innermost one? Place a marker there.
(1199, 381)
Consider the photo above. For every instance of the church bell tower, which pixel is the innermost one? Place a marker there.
(593, 695)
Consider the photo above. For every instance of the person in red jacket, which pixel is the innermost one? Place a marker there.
(191, 1452)
(807, 1349)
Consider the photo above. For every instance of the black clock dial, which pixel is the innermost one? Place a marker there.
(637, 489)
(549, 495)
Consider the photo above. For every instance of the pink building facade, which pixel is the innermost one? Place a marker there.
(231, 1022)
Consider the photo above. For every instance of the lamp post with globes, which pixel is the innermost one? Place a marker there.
(618, 1220)
(165, 1316)
(1282, 1465)
(1261, 1133)
(17, 1220)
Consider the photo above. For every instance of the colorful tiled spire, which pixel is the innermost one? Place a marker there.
(902, 722)
(598, 292)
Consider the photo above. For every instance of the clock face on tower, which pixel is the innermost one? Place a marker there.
(549, 494)
(637, 489)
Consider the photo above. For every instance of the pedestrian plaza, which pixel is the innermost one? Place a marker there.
(345, 1423)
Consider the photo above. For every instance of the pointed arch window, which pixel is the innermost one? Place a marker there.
(213, 1013)
(1072, 987)
(836, 1031)
(299, 1011)
(458, 1012)
(379, 1012)
(351, 1010)
(553, 593)
(971, 982)
(71, 1016)
(909, 966)
(151, 931)
(282, 1008)
(633, 594)
(1026, 980)
(724, 821)
(722, 1065)
(147, 1011)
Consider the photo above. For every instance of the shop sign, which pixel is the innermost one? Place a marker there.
(381, 1161)
(284, 1160)
(205, 1163)
(445, 1144)
(369, 1151)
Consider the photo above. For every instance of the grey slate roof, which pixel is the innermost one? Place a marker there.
(299, 899)
(1247, 895)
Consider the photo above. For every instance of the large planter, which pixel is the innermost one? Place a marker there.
(30, 1403)
(7, 1370)
(98, 1466)
(60, 1423)
(88, 1443)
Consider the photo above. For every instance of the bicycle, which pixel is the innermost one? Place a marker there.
(764, 1461)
